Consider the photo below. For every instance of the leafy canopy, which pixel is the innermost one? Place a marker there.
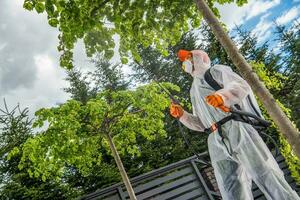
(76, 132)
(154, 22)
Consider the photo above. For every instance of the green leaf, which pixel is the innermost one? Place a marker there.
(44, 178)
(39, 7)
(109, 53)
(124, 60)
(30, 173)
(28, 5)
(53, 22)
(13, 153)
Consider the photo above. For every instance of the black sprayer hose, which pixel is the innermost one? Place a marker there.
(262, 122)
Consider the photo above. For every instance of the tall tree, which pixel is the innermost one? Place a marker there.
(104, 78)
(76, 132)
(15, 129)
(84, 87)
(171, 147)
(79, 88)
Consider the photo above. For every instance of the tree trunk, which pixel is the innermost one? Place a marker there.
(121, 168)
(282, 121)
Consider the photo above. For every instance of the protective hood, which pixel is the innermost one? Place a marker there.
(201, 63)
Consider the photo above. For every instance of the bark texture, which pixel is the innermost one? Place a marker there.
(121, 168)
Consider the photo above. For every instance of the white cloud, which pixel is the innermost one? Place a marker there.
(259, 7)
(3, 26)
(29, 61)
(233, 15)
(263, 29)
(2, 46)
(46, 91)
(288, 16)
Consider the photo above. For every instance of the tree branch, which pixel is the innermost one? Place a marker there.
(93, 12)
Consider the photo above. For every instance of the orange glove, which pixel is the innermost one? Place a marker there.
(216, 101)
(224, 108)
(176, 110)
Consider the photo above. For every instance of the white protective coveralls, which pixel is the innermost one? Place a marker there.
(251, 159)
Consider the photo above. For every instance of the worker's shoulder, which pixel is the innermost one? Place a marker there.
(221, 67)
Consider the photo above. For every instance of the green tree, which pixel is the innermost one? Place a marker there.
(84, 87)
(15, 129)
(76, 132)
(289, 42)
(108, 76)
(15, 183)
(18, 184)
(171, 147)
(79, 88)
(105, 76)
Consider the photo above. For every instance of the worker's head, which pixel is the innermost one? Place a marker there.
(194, 62)
(186, 57)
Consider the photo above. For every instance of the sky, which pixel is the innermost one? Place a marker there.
(29, 62)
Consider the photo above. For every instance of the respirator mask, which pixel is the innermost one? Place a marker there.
(187, 66)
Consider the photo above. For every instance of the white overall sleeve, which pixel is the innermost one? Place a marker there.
(192, 122)
(235, 88)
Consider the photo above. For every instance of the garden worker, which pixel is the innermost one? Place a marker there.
(243, 156)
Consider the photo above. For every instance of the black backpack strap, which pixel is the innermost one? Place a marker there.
(211, 81)
(253, 107)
